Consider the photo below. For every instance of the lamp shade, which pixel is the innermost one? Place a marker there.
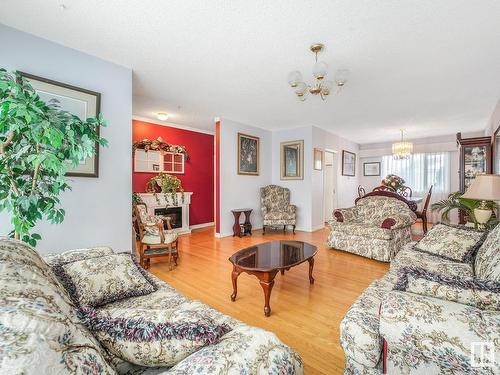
(484, 187)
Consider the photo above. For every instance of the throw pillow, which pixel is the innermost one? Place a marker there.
(105, 279)
(149, 337)
(483, 294)
(76, 255)
(451, 242)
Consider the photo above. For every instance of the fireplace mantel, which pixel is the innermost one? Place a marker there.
(163, 200)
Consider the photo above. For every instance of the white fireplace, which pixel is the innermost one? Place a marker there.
(158, 203)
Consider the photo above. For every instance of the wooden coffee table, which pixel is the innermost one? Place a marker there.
(266, 259)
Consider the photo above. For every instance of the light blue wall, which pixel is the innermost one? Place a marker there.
(98, 211)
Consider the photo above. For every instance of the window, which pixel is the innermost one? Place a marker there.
(420, 171)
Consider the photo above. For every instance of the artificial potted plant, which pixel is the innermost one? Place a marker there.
(38, 140)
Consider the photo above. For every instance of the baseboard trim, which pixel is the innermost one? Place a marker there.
(202, 225)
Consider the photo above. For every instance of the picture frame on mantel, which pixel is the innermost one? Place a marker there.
(248, 154)
(348, 163)
(292, 160)
(77, 101)
(371, 168)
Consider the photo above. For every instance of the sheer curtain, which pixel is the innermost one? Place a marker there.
(420, 171)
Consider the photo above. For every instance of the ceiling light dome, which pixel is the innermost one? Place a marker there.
(162, 116)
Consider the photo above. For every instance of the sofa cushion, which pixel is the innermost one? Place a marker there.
(482, 294)
(101, 280)
(487, 264)
(151, 337)
(75, 255)
(362, 229)
(451, 242)
(433, 263)
(279, 215)
(40, 332)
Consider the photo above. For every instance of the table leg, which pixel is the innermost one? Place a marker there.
(248, 224)
(267, 287)
(234, 278)
(236, 226)
(311, 266)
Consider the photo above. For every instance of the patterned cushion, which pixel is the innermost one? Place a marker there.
(376, 209)
(362, 229)
(487, 264)
(433, 263)
(75, 255)
(151, 239)
(97, 281)
(40, 332)
(481, 294)
(150, 337)
(273, 215)
(451, 242)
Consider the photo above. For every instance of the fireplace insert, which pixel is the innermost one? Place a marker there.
(175, 214)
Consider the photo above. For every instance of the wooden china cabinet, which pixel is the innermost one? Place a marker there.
(475, 158)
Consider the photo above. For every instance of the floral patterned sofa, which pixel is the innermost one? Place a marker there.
(41, 331)
(414, 333)
(377, 227)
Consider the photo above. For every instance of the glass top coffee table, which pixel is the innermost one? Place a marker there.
(266, 259)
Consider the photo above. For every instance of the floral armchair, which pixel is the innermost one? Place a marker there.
(276, 208)
(377, 227)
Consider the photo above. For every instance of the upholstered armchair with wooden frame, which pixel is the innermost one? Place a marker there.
(423, 214)
(276, 208)
(154, 240)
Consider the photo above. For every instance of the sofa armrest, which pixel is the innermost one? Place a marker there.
(399, 220)
(263, 210)
(435, 333)
(344, 215)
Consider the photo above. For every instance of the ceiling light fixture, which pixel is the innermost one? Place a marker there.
(402, 149)
(321, 87)
(162, 116)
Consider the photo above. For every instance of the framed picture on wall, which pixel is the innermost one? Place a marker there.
(292, 160)
(78, 101)
(348, 163)
(318, 159)
(248, 154)
(371, 168)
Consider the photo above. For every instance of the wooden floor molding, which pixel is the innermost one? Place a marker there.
(304, 316)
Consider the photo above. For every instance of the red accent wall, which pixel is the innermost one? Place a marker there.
(217, 177)
(198, 174)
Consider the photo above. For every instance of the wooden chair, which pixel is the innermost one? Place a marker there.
(405, 192)
(361, 191)
(423, 214)
(383, 188)
(153, 240)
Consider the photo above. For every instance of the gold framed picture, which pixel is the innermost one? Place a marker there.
(292, 160)
(248, 154)
(318, 159)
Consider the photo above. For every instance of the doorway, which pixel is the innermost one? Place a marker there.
(329, 185)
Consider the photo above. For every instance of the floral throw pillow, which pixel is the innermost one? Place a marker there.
(105, 279)
(483, 294)
(455, 243)
(150, 337)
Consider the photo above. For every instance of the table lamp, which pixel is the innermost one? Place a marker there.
(484, 188)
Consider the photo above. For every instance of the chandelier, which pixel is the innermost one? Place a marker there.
(321, 86)
(402, 149)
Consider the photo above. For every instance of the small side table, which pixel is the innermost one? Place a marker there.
(247, 226)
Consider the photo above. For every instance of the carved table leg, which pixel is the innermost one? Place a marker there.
(311, 266)
(267, 287)
(282, 271)
(234, 277)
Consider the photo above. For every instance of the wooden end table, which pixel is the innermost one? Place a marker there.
(247, 225)
(266, 259)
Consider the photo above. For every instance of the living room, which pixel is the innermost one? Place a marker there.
(256, 188)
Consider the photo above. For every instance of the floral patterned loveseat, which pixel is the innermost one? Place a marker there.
(414, 333)
(41, 331)
(377, 227)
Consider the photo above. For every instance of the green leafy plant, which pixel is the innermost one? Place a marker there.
(455, 201)
(38, 141)
(168, 185)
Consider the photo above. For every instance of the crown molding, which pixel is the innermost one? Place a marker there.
(172, 125)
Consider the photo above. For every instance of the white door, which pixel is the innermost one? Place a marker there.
(329, 199)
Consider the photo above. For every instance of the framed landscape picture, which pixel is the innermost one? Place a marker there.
(248, 154)
(77, 101)
(348, 163)
(371, 168)
(292, 160)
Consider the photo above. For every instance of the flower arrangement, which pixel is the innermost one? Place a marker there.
(167, 184)
(160, 145)
(393, 182)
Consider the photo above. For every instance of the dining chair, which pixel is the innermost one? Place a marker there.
(405, 191)
(154, 240)
(423, 214)
(383, 188)
(361, 191)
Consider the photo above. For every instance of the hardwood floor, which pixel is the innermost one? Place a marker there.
(304, 316)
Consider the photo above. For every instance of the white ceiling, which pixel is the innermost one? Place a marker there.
(431, 67)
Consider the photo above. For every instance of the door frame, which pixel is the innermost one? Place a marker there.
(335, 182)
